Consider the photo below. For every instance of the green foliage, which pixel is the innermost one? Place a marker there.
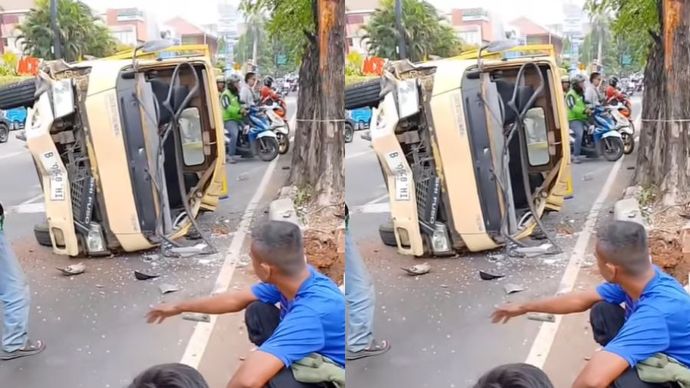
(633, 25)
(286, 26)
(425, 32)
(81, 33)
(353, 64)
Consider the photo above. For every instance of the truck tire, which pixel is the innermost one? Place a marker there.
(388, 235)
(364, 94)
(4, 132)
(42, 235)
(18, 94)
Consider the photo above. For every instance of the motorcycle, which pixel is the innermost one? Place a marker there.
(280, 126)
(256, 138)
(621, 115)
(601, 137)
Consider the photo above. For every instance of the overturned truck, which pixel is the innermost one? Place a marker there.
(473, 151)
(128, 152)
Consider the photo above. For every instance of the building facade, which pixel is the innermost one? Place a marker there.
(12, 14)
(131, 26)
(475, 26)
(357, 15)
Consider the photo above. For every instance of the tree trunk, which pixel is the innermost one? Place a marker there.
(319, 147)
(318, 156)
(663, 159)
(255, 46)
(600, 45)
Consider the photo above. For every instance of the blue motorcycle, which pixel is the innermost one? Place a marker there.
(256, 138)
(601, 137)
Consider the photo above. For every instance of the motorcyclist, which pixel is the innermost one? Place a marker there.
(267, 92)
(612, 92)
(232, 113)
(268, 95)
(578, 113)
(592, 96)
(247, 96)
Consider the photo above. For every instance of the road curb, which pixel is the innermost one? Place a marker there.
(628, 208)
(283, 208)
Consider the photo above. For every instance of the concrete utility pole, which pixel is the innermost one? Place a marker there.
(402, 50)
(56, 31)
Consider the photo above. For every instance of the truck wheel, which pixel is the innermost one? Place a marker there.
(18, 94)
(42, 234)
(364, 94)
(4, 133)
(348, 132)
(388, 235)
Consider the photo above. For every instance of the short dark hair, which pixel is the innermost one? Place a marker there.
(280, 244)
(625, 245)
(515, 376)
(170, 376)
(593, 76)
(249, 75)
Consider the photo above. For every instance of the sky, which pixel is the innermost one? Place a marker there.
(196, 11)
(205, 11)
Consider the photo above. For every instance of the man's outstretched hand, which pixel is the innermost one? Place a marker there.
(159, 313)
(504, 313)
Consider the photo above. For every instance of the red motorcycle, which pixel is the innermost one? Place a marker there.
(625, 106)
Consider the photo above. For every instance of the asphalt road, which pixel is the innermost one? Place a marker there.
(438, 323)
(93, 323)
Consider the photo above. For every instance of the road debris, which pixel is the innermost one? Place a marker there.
(196, 317)
(587, 177)
(489, 276)
(541, 317)
(532, 251)
(243, 177)
(168, 288)
(74, 269)
(511, 288)
(189, 251)
(144, 276)
(418, 269)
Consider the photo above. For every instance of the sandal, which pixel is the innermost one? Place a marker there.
(30, 349)
(375, 349)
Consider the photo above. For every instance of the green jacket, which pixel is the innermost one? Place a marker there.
(661, 368)
(231, 106)
(576, 106)
(315, 369)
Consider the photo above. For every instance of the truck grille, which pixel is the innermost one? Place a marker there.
(427, 183)
(82, 185)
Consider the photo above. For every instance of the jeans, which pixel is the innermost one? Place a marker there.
(262, 319)
(579, 128)
(607, 319)
(14, 296)
(360, 298)
(232, 128)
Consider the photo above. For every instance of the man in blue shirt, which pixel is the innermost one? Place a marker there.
(311, 317)
(654, 319)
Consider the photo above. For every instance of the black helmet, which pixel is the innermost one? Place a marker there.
(613, 81)
(268, 81)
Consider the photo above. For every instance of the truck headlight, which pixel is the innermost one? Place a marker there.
(94, 240)
(408, 98)
(440, 242)
(63, 98)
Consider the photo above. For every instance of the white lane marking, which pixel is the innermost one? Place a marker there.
(358, 154)
(379, 199)
(547, 331)
(372, 208)
(27, 208)
(11, 154)
(33, 199)
(196, 347)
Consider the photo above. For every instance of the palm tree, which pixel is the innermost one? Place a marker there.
(80, 32)
(425, 32)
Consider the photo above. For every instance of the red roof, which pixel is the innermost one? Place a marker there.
(528, 27)
(183, 27)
